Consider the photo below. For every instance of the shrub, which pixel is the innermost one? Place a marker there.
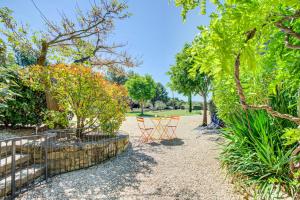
(159, 105)
(27, 106)
(56, 119)
(78, 89)
(197, 107)
(255, 150)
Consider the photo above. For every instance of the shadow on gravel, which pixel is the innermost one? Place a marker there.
(172, 142)
(207, 130)
(104, 181)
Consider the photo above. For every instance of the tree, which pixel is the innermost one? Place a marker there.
(94, 101)
(83, 40)
(161, 94)
(237, 48)
(188, 82)
(118, 78)
(141, 88)
(181, 81)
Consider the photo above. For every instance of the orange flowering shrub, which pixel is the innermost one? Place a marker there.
(93, 100)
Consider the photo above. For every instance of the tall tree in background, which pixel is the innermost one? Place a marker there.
(203, 87)
(180, 78)
(188, 82)
(141, 88)
(161, 94)
(119, 77)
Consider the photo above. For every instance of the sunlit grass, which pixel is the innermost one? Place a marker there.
(163, 113)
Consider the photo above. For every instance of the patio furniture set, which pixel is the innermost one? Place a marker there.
(160, 128)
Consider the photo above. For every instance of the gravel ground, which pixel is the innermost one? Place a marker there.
(186, 168)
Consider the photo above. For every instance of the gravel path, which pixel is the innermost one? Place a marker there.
(184, 169)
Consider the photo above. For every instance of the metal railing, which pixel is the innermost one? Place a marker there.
(18, 166)
(30, 160)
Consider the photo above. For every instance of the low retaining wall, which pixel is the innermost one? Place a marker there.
(60, 156)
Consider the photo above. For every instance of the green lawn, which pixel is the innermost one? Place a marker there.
(163, 113)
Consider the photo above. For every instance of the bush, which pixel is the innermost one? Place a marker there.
(254, 150)
(56, 119)
(197, 107)
(27, 106)
(175, 103)
(159, 105)
(78, 89)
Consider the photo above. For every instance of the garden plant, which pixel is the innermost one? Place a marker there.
(94, 101)
(251, 52)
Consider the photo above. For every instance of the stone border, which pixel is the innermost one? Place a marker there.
(65, 157)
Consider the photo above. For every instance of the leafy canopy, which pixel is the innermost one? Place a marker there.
(184, 79)
(141, 88)
(161, 94)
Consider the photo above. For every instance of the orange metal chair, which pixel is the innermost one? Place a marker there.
(172, 126)
(145, 131)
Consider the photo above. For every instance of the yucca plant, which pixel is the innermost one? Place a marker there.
(255, 150)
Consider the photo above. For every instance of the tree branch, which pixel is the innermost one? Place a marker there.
(289, 45)
(274, 113)
(288, 30)
(241, 94)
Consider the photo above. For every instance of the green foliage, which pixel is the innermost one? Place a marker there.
(118, 78)
(188, 80)
(176, 103)
(5, 92)
(94, 101)
(291, 136)
(159, 105)
(161, 94)
(257, 154)
(182, 80)
(188, 5)
(56, 119)
(6, 69)
(141, 88)
(265, 61)
(23, 106)
(264, 35)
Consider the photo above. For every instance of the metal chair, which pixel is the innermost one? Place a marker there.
(172, 126)
(145, 131)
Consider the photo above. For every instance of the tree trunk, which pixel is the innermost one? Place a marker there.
(52, 103)
(204, 110)
(79, 128)
(131, 105)
(42, 57)
(142, 108)
(153, 104)
(190, 102)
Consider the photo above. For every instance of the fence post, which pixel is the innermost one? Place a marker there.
(46, 158)
(13, 168)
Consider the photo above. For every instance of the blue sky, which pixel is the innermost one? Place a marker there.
(155, 32)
